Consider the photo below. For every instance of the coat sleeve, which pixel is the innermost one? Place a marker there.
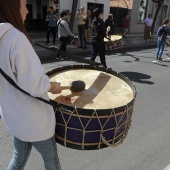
(30, 74)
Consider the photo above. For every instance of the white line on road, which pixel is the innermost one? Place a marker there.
(167, 168)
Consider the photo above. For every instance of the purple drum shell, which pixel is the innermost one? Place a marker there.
(112, 123)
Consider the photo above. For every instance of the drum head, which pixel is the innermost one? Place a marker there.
(103, 90)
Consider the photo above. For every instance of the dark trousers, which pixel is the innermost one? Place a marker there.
(63, 45)
(147, 31)
(53, 30)
(98, 47)
(81, 31)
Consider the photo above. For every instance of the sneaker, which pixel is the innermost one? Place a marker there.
(47, 42)
(88, 43)
(85, 47)
(59, 58)
(160, 59)
(156, 58)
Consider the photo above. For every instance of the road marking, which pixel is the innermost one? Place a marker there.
(167, 168)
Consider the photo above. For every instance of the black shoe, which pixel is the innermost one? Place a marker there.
(88, 43)
(47, 42)
(160, 59)
(80, 46)
(85, 47)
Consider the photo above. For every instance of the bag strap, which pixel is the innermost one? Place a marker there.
(59, 23)
(51, 102)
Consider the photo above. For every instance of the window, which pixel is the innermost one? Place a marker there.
(142, 11)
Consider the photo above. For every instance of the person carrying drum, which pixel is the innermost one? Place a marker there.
(97, 37)
(31, 122)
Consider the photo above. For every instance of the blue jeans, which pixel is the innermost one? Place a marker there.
(160, 49)
(47, 149)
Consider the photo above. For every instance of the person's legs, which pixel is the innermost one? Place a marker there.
(83, 36)
(162, 45)
(102, 54)
(158, 49)
(80, 36)
(20, 156)
(94, 50)
(62, 46)
(48, 35)
(88, 35)
(48, 151)
(54, 34)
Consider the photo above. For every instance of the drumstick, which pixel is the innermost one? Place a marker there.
(75, 86)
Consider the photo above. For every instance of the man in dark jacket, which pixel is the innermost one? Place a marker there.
(98, 32)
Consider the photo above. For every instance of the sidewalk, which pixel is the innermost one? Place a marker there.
(131, 41)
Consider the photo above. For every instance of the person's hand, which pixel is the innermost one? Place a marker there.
(75, 37)
(55, 88)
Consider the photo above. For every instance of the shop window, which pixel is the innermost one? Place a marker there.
(142, 11)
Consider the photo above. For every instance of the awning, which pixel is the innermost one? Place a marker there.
(121, 3)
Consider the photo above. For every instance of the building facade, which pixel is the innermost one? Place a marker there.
(38, 10)
(141, 9)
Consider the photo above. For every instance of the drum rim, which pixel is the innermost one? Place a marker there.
(108, 70)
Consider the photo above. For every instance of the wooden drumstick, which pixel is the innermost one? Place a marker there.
(75, 86)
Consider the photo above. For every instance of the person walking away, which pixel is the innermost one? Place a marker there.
(110, 25)
(81, 18)
(125, 25)
(88, 27)
(63, 32)
(147, 30)
(30, 121)
(162, 33)
(52, 24)
(97, 37)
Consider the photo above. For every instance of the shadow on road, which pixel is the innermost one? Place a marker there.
(138, 77)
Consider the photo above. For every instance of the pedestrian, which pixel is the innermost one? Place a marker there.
(81, 18)
(110, 25)
(97, 37)
(147, 30)
(52, 24)
(88, 27)
(162, 33)
(31, 122)
(125, 25)
(63, 32)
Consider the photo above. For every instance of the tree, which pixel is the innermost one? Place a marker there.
(73, 14)
(159, 2)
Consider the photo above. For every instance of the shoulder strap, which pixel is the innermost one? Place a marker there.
(51, 102)
(59, 23)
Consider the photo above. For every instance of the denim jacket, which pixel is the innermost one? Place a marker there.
(162, 33)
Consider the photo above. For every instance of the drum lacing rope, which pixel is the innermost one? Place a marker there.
(84, 128)
(61, 109)
(127, 125)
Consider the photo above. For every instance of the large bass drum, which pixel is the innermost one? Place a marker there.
(97, 117)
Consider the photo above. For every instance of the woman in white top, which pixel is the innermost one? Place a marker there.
(31, 122)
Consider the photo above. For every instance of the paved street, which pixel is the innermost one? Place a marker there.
(147, 145)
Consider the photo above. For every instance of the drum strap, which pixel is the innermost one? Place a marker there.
(51, 102)
(70, 55)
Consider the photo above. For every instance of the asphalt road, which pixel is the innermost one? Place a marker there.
(147, 145)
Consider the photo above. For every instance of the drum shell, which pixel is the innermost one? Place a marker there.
(84, 129)
(113, 45)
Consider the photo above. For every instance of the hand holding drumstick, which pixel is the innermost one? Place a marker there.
(75, 86)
